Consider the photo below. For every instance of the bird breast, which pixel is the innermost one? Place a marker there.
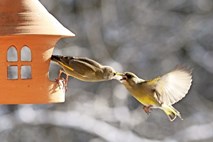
(144, 95)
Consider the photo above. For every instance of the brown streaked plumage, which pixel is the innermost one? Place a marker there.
(84, 69)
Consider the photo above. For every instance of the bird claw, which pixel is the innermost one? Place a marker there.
(61, 83)
(147, 109)
(57, 80)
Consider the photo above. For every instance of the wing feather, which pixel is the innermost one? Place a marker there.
(79, 66)
(174, 85)
(88, 61)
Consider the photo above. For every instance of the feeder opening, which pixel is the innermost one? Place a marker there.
(26, 72)
(12, 72)
(12, 55)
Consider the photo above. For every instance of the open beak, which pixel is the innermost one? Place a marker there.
(120, 76)
(123, 78)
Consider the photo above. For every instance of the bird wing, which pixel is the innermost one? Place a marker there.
(78, 66)
(173, 86)
(89, 61)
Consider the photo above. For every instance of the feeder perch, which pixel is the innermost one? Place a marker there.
(28, 34)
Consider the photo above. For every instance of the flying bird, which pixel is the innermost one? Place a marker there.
(161, 92)
(84, 69)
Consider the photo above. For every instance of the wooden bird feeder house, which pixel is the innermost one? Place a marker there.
(28, 34)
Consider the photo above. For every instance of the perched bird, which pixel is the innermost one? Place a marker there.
(161, 92)
(84, 69)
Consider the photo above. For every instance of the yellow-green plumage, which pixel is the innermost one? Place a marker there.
(161, 92)
(142, 88)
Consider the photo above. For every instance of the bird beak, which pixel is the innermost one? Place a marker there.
(124, 78)
(118, 76)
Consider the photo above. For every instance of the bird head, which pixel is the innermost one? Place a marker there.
(110, 73)
(130, 79)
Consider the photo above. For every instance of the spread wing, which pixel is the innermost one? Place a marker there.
(173, 86)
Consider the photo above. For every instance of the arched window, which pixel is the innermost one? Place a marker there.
(12, 55)
(25, 54)
(14, 69)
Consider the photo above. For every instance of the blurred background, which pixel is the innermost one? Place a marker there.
(148, 37)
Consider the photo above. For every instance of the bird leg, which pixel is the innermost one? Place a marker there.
(66, 81)
(147, 109)
(61, 83)
(59, 75)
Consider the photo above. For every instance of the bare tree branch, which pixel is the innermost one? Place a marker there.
(71, 119)
(193, 133)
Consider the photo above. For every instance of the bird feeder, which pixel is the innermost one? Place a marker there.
(28, 34)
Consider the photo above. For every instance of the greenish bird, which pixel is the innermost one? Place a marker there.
(161, 92)
(84, 69)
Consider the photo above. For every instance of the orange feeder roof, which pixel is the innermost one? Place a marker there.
(20, 17)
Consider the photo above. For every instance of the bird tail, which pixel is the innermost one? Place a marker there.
(171, 112)
(62, 61)
(55, 58)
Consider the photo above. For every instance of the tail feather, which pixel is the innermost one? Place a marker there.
(171, 112)
(55, 58)
(62, 61)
